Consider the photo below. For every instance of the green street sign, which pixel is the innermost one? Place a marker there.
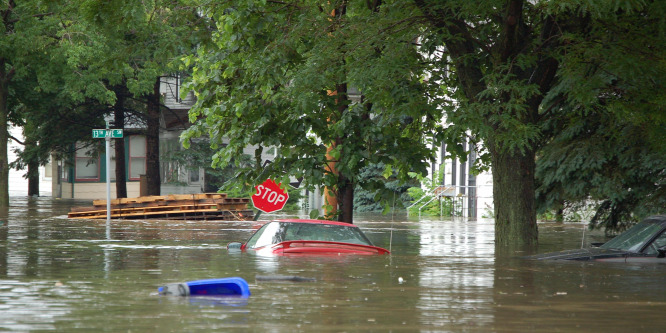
(107, 133)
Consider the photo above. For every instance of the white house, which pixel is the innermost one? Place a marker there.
(18, 184)
(473, 194)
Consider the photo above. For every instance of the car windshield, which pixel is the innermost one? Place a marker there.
(634, 238)
(276, 232)
(268, 234)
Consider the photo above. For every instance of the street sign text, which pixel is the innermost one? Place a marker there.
(107, 133)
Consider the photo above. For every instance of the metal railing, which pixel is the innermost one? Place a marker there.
(452, 191)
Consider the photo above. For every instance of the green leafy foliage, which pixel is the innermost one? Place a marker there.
(617, 165)
(427, 203)
(267, 77)
(80, 57)
(576, 86)
(374, 183)
(29, 66)
(529, 76)
(607, 119)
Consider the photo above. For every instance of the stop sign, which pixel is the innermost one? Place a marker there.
(269, 197)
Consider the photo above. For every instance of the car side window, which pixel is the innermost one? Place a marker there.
(292, 232)
(307, 232)
(656, 244)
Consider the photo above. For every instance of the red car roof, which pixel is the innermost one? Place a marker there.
(318, 222)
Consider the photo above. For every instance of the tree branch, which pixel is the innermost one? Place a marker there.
(460, 44)
(15, 139)
(512, 22)
(35, 15)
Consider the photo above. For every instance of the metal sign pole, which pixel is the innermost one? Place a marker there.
(108, 134)
(108, 174)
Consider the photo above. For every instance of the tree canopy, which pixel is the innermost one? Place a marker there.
(98, 58)
(565, 97)
(520, 67)
(30, 29)
(607, 133)
(281, 75)
(515, 74)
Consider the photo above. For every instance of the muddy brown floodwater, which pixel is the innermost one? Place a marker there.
(442, 276)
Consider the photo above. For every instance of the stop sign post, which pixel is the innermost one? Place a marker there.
(269, 197)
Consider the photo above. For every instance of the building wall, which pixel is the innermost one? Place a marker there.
(98, 190)
(170, 88)
(173, 189)
(94, 191)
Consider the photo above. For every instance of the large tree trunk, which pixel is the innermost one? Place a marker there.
(4, 135)
(5, 77)
(513, 194)
(333, 196)
(330, 193)
(513, 171)
(33, 169)
(33, 159)
(153, 141)
(119, 123)
(345, 187)
(33, 178)
(345, 199)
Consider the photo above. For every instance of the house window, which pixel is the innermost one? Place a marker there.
(194, 176)
(137, 156)
(63, 171)
(86, 167)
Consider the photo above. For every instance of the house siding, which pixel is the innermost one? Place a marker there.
(95, 191)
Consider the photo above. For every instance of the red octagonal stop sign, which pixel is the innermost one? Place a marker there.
(269, 197)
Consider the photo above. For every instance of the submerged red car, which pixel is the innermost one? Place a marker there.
(287, 237)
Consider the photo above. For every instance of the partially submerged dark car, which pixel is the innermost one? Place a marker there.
(643, 243)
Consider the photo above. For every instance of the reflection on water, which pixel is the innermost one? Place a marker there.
(28, 306)
(448, 293)
(442, 276)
